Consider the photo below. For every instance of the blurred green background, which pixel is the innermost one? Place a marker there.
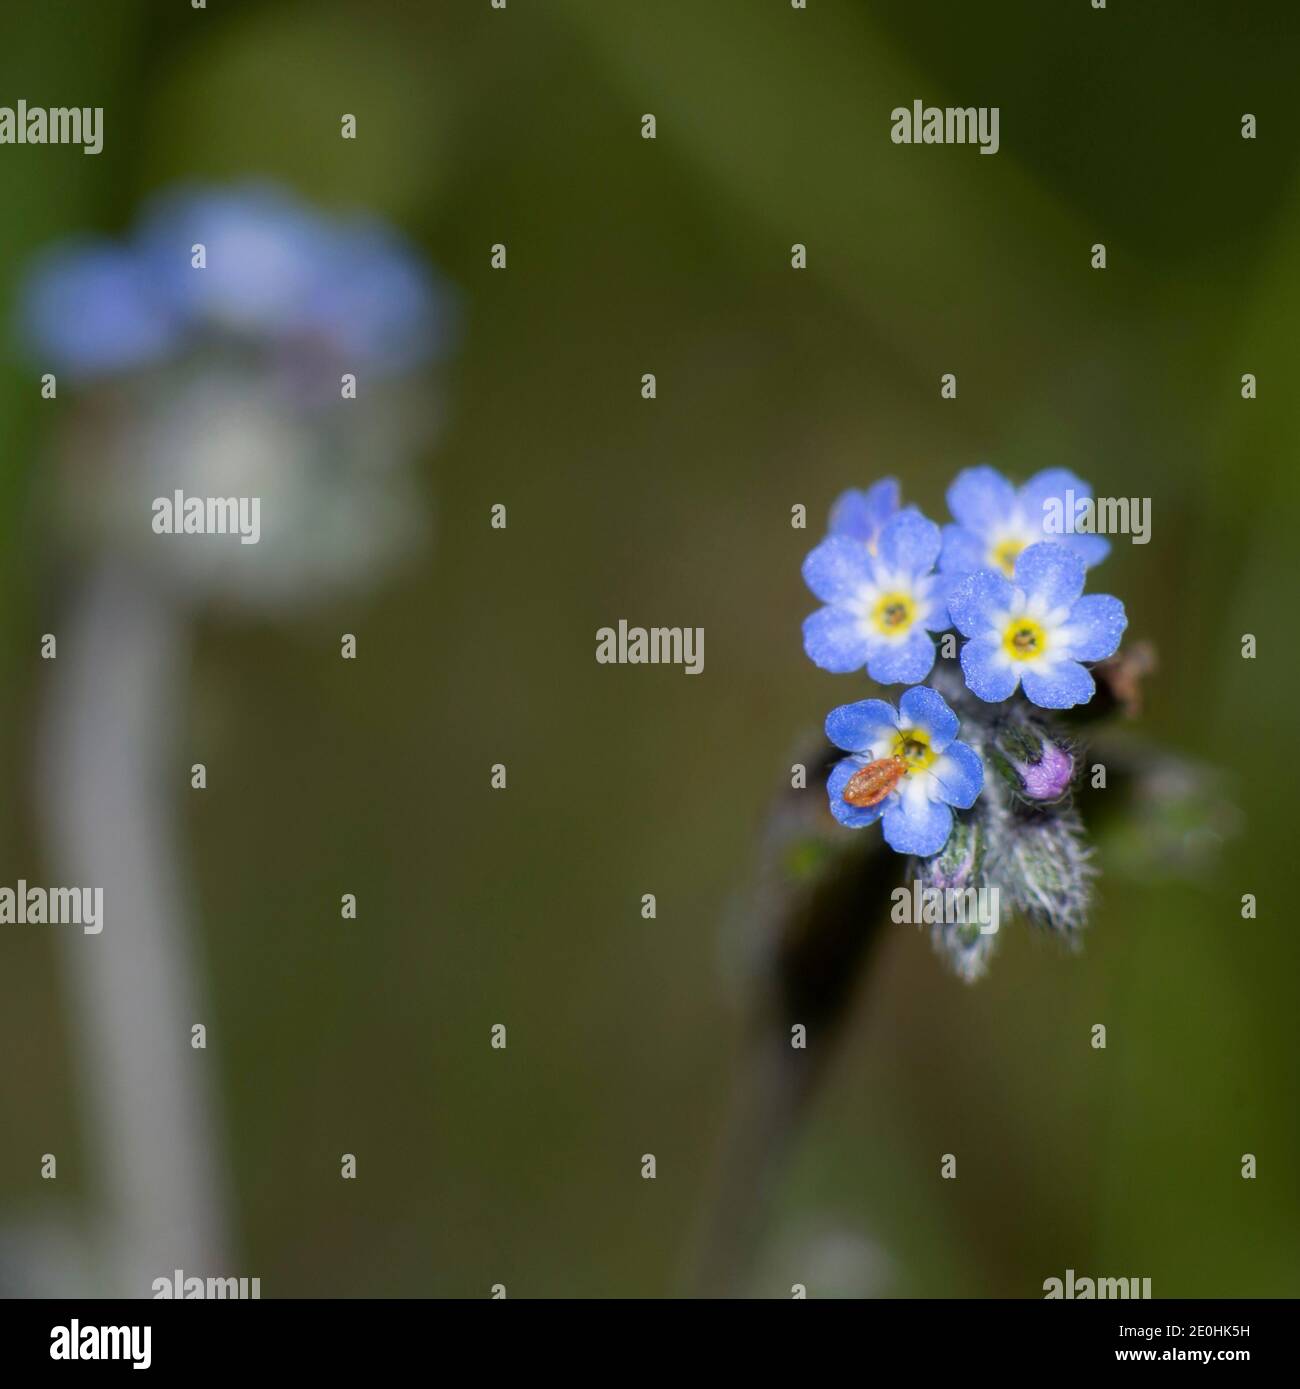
(774, 388)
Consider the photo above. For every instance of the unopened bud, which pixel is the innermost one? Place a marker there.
(964, 949)
(1043, 866)
(965, 946)
(1032, 763)
(959, 862)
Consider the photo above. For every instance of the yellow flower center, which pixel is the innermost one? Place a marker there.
(1024, 639)
(893, 613)
(1004, 555)
(913, 746)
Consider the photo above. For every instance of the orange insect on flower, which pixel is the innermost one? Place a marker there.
(871, 784)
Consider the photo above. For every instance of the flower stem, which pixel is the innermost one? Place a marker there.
(108, 783)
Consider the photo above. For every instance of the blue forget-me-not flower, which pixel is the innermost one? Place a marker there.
(275, 271)
(881, 607)
(995, 521)
(1034, 630)
(861, 515)
(905, 768)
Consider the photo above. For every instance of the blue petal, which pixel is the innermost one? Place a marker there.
(924, 708)
(1050, 572)
(1062, 687)
(960, 775)
(1091, 549)
(937, 589)
(914, 825)
(90, 308)
(837, 568)
(854, 816)
(1053, 484)
(901, 662)
(266, 255)
(854, 727)
(834, 640)
(963, 551)
(980, 498)
(979, 600)
(378, 302)
(1050, 484)
(910, 542)
(860, 515)
(1095, 625)
(986, 676)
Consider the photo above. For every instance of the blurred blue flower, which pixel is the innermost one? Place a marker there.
(995, 522)
(861, 516)
(276, 271)
(1036, 630)
(90, 309)
(905, 767)
(880, 607)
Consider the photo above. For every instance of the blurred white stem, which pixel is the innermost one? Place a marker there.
(110, 781)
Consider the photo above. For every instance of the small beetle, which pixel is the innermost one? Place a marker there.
(870, 785)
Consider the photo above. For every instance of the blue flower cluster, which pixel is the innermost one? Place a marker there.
(890, 580)
(275, 271)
